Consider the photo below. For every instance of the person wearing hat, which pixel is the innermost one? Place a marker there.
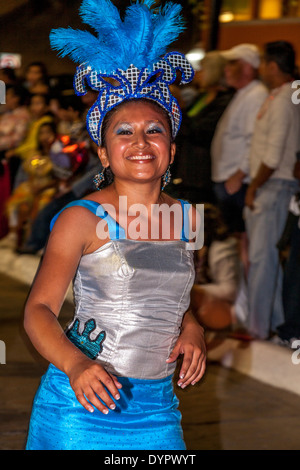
(231, 141)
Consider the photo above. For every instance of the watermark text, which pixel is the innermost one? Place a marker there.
(2, 352)
(296, 93)
(296, 355)
(2, 92)
(162, 222)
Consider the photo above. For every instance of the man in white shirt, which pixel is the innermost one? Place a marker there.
(231, 142)
(276, 140)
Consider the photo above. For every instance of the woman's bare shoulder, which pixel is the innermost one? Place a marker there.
(76, 228)
(72, 216)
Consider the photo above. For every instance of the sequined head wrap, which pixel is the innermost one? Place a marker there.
(127, 59)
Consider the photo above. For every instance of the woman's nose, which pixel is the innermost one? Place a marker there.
(141, 139)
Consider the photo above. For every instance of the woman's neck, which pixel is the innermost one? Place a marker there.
(139, 193)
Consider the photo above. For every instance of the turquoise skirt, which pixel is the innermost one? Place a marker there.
(146, 417)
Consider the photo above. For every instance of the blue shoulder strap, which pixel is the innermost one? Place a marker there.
(185, 225)
(116, 232)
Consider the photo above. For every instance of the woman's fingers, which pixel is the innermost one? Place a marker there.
(95, 387)
(83, 401)
(193, 367)
(198, 374)
(111, 385)
(97, 396)
(102, 393)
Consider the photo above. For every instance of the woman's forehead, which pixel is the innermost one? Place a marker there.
(139, 110)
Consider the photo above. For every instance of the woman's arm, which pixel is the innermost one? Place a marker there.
(190, 342)
(191, 345)
(64, 250)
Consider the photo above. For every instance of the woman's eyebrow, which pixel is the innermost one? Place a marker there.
(125, 125)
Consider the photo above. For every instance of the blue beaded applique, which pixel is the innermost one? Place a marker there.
(91, 347)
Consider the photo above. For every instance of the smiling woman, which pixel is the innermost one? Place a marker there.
(110, 381)
(160, 125)
(140, 146)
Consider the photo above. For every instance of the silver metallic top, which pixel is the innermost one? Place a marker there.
(130, 297)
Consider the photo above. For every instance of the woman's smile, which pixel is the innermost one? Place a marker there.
(141, 158)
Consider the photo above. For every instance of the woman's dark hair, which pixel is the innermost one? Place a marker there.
(109, 177)
(283, 54)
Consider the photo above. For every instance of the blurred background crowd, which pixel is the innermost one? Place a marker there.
(237, 153)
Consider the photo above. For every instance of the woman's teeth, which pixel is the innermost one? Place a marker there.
(141, 157)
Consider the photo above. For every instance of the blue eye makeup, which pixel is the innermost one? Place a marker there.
(124, 129)
(155, 128)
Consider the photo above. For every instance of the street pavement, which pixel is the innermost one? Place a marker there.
(228, 410)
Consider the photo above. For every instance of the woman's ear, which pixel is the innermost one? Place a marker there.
(172, 152)
(102, 154)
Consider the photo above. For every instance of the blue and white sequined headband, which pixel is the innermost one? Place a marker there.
(132, 52)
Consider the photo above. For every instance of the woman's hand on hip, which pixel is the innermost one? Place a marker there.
(92, 385)
(191, 345)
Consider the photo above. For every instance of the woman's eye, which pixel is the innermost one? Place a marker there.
(154, 130)
(124, 132)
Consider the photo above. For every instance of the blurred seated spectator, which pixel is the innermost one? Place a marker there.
(36, 78)
(4, 195)
(39, 113)
(218, 273)
(71, 119)
(193, 165)
(8, 77)
(79, 187)
(14, 124)
(38, 189)
(69, 159)
(14, 121)
(49, 170)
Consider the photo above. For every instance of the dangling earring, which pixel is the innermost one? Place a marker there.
(99, 177)
(166, 178)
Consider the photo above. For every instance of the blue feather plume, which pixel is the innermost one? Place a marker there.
(81, 47)
(167, 26)
(138, 25)
(141, 39)
(104, 18)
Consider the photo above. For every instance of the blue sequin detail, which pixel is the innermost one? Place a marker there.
(83, 341)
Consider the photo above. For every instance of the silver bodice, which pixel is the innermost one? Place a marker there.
(130, 297)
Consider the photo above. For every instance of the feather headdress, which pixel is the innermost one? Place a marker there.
(132, 51)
